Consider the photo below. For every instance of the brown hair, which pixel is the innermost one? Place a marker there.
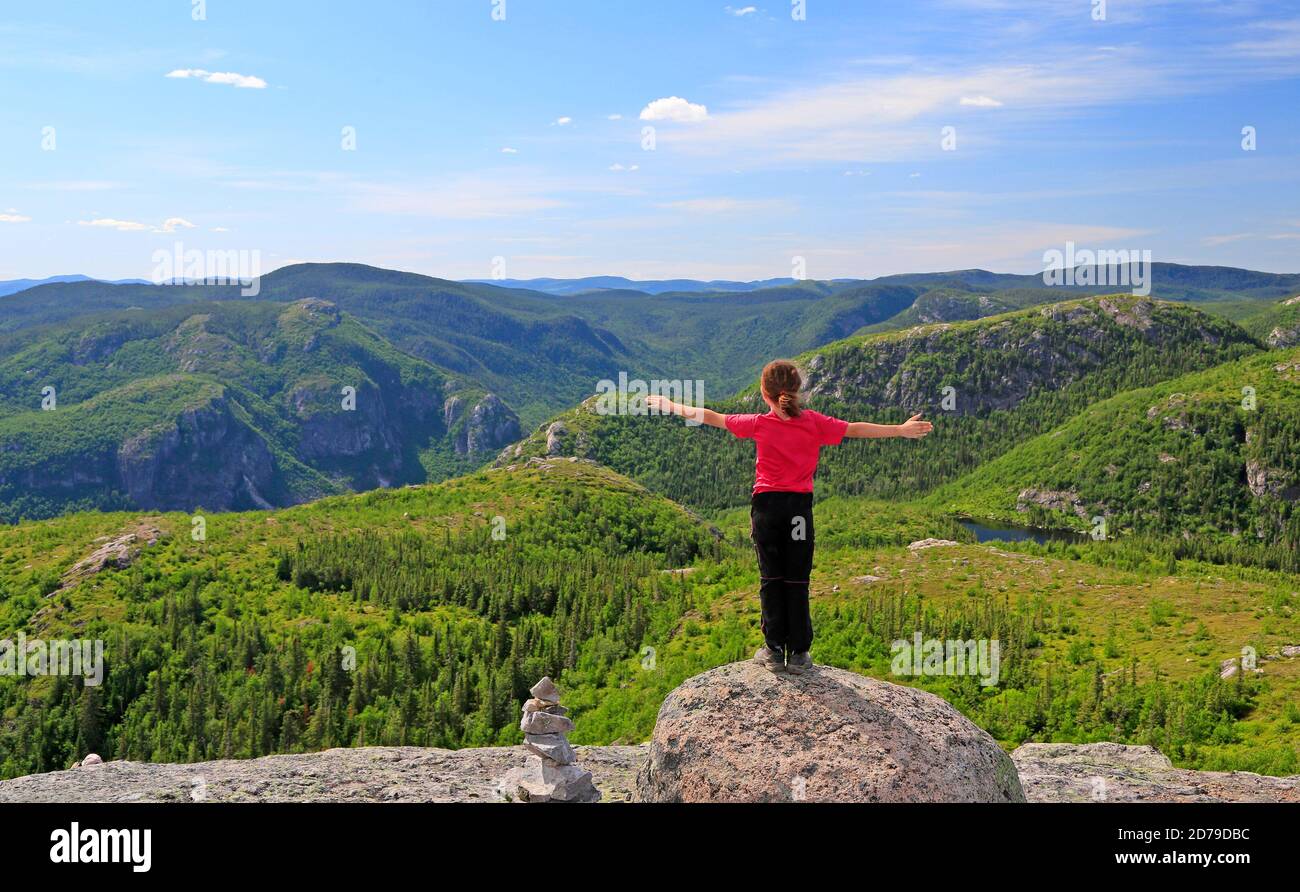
(781, 382)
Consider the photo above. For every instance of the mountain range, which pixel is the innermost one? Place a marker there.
(412, 507)
(152, 381)
(619, 283)
(13, 286)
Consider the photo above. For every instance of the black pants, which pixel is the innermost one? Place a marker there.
(781, 525)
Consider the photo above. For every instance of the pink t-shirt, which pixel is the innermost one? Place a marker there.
(787, 448)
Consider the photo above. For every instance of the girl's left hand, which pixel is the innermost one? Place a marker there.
(914, 428)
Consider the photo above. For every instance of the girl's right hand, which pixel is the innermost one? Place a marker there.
(658, 403)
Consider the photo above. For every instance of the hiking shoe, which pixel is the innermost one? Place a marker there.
(799, 663)
(769, 659)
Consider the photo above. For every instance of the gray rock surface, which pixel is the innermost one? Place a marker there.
(1052, 500)
(739, 733)
(367, 774)
(841, 737)
(931, 543)
(113, 554)
(1094, 772)
(1113, 772)
(555, 438)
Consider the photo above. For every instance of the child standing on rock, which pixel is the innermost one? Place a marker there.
(788, 440)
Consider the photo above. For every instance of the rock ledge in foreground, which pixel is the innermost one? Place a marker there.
(364, 774)
(1114, 772)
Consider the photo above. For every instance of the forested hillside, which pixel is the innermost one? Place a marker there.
(447, 601)
(227, 406)
(1011, 377)
(1213, 453)
(952, 305)
(1277, 325)
(189, 396)
(543, 352)
(420, 616)
(510, 343)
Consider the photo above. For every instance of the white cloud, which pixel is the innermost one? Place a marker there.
(981, 102)
(892, 117)
(563, 121)
(742, 11)
(244, 81)
(616, 166)
(674, 108)
(615, 117)
(14, 217)
(509, 151)
(220, 229)
(110, 223)
(171, 224)
(1276, 40)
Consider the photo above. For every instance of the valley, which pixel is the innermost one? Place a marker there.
(397, 619)
(397, 573)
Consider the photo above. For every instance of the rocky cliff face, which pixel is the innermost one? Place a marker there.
(206, 457)
(479, 427)
(325, 433)
(1287, 332)
(1283, 336)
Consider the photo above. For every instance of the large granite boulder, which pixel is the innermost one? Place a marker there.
(739, 733)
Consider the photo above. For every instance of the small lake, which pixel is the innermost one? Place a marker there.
(985, 532)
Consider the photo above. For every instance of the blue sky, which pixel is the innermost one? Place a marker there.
(774, 138)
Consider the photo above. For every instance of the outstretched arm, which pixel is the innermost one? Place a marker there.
(692, 413)
(913, 428)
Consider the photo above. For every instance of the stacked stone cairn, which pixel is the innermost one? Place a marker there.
(553, 773)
